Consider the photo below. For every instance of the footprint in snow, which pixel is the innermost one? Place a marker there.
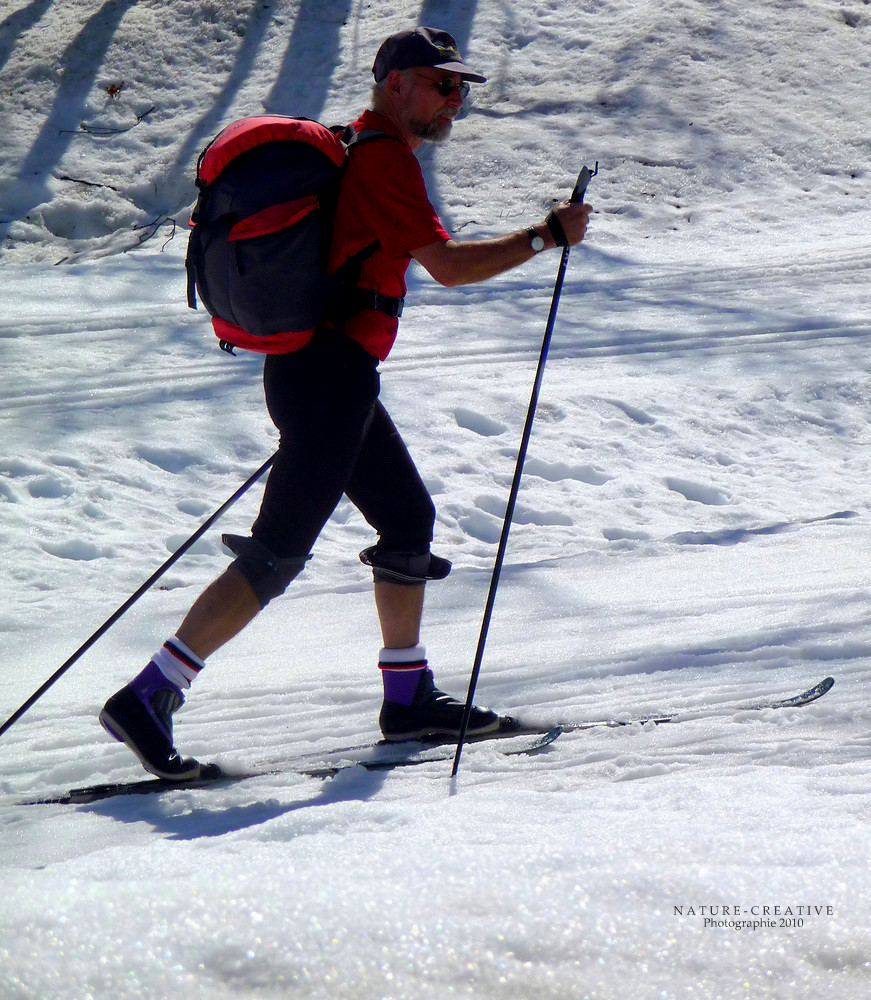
(15, 467)
(77, 549)
(633, 412)
(480, 526)
(196, 508)
(477, 422)
(522, 515)
(8, 493)
(168, 459)
(626, 535)
(697, 493)
(555, 472)
(50, 487)
(201, 547)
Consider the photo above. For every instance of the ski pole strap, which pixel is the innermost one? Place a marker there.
(556, 229)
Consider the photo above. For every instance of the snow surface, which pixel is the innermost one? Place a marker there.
(692, 529)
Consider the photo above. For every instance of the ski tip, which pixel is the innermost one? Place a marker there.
(818, 690)
(540, 742)
(806, 697)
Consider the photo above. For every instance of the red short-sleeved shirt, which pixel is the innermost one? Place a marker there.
(383, 197)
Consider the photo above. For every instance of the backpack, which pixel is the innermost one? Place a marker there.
(261, 232)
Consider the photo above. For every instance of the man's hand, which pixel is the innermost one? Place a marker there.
(574, 219)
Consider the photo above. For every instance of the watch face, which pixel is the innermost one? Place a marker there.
(537, 243)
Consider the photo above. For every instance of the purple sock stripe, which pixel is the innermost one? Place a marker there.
(179, 655)
(400, 686)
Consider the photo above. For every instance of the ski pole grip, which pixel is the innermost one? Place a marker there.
(583, 181)
(553, 222)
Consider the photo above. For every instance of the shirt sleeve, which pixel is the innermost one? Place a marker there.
(392, 199)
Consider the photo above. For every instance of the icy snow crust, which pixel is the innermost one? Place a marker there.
(703, 420)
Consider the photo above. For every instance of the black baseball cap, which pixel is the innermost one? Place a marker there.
(422, 47)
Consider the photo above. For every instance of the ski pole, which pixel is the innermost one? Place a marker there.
(134, 597)
(577, 196)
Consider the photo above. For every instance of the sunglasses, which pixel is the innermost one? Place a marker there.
(446, 87)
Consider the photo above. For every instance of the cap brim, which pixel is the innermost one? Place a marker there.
(463, 70)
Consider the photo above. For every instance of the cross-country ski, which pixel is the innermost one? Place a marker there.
(385, 756)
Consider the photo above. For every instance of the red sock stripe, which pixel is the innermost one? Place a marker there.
(179, 655)
(414, 665)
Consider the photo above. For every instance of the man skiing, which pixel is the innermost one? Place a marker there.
(336, 437)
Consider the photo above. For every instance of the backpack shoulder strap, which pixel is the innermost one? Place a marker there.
(351, 137)
(355, 298)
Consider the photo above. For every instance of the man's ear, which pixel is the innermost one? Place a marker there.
(395, 82)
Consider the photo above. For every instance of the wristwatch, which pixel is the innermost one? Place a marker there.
(536, 242)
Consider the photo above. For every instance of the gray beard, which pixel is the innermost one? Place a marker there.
(430, 131)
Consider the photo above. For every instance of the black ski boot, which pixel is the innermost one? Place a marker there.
(140, 716)
(432, 713)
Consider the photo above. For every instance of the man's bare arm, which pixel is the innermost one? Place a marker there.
(462, 262)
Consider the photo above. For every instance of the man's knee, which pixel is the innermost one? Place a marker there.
(405, 568)
(267, 574)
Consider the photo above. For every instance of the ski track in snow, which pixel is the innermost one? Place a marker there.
(471, 521)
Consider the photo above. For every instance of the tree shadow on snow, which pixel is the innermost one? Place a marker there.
(86, 50)
(252, 32)
(456, 17)
(14, 26)
(312, 54)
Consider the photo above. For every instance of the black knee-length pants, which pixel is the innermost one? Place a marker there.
(336, 438)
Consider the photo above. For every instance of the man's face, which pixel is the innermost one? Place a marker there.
(431, 113)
